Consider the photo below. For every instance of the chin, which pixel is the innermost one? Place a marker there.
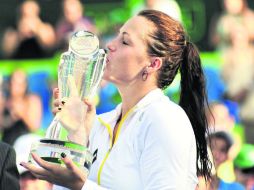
(106, 77)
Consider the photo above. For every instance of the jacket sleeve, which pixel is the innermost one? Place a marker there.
(9, 177)
(88, 185)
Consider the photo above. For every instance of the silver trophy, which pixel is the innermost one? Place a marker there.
(79, 74)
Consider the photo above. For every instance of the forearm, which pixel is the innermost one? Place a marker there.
(90, 185)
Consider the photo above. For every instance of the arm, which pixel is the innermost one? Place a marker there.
(9, 176)
(28, 110)
(10, 42)
(69, 177)
(34, 114)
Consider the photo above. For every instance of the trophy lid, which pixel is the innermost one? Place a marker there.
(84, 43)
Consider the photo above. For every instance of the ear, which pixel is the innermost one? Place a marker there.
(155, 64)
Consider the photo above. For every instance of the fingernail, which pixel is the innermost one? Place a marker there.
(63, 102)
(59, 109)
(63, 155)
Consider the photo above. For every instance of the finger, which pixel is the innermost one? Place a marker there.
(56, 103)
(44, 164)
(56, 93)
(76, 171)
(68, 162)
(56, 110)
(90, 105)
(39, 176)
(34, 169)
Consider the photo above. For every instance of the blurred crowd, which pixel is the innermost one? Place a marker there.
(25, 99)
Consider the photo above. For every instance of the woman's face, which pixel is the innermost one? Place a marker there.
(127, 57)
(18, 84)
(219, 150)
(234, 6)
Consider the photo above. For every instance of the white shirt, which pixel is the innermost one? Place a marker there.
(155, 149)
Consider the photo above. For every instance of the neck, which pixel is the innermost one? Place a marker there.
(214, 183)
(131, 95)
(17, 97)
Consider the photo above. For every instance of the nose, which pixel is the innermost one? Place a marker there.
(111, 46)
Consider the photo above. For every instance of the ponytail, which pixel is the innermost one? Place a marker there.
(193, 100)
(168, 41)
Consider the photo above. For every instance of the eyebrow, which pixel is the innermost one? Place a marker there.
(125, 33)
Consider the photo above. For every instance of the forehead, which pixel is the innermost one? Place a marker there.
(138, 27)
(218, 143)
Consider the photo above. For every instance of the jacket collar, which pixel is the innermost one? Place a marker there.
(152, 96)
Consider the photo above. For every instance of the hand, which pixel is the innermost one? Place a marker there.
(57, 104)
(18, 109)
(70, 176)
(76, 134)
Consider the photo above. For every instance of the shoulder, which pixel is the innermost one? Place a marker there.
(249, 14)
(9, 176)
(6, 151)
(166, 120)
(233, 185)
(104, 117)
(5, 147)
(167, 112)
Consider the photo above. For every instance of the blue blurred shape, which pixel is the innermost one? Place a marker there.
(38, 83)
(215, 84)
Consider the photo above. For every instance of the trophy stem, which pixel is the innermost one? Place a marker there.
(53, 131)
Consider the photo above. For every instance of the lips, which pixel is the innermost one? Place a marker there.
(107, 61)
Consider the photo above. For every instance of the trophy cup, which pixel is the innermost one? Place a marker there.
(80, 70)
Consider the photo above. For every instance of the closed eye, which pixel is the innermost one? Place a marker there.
(125, 43)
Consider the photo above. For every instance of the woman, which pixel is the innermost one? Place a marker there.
(22, 110)
(147, 142)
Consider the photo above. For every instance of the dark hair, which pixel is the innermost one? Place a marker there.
(223, 136)
(168, 41)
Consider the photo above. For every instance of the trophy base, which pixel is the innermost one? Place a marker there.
(50, 150)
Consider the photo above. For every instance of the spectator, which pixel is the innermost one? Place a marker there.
(238, 59)
(238, 74)
(27, 180)
(72, 21)
(220, 143)
(219, 119)
(244, 164)
(169, 7)
(22, 111)
(236, 14)
(33, 38)
(8, 171)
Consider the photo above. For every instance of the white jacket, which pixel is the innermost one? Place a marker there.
(155, 148)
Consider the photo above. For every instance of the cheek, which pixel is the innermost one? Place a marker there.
(116, 71)
(125, 65)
